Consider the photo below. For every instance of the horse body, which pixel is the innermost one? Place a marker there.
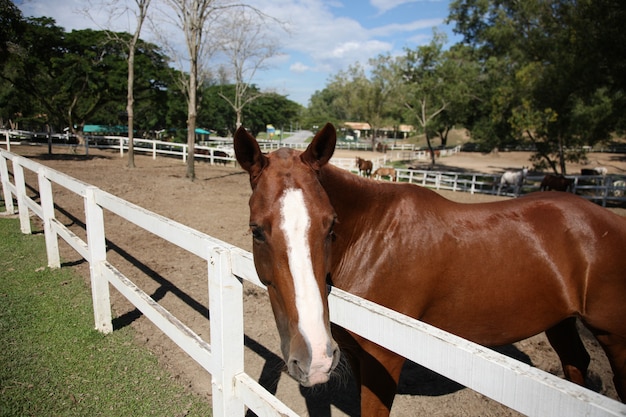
(365, 166)
(385, 172)
(557, 183)
(514, 179)
(568, 263)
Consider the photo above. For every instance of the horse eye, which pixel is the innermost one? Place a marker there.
(331, 231)
(257, 233)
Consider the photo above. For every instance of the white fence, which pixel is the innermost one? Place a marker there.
(512, 383)
(597, 188)
(215, 154)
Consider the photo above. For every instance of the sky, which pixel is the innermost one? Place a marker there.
(323, 37)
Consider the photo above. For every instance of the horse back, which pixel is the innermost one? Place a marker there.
(539, 256)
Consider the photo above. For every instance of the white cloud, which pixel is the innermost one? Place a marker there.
(323, 36)
(386, 5)
(396, 28)
(299, 67)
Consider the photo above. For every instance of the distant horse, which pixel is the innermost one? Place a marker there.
(365, 166)
(556, 183)
(385, 172)
(410, 249)
(596, 172)
(513, 179)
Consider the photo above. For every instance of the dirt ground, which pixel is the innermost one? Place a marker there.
(216, 203)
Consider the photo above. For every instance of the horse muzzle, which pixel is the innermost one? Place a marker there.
(311, 370)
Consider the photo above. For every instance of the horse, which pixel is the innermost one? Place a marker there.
(365, 166)
(557, 183)
(514, 179)
(600, 171)
(314, 225)
(385, 172)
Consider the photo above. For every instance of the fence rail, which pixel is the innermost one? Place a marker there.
(597, 188)
(516, 385)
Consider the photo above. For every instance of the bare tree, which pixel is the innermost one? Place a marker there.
(247, 45)
(195, 18)
(117, 9)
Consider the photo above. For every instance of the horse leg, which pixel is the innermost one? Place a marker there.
(376, 370)
(565, 340)
(615, 348)
(380, 371)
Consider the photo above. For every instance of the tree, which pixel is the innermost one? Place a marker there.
(378, 91)
(352, 96)
(219, 116)
(194, 18)
(67, 79)
(70, 75)
(247, 46)
(427, 85)
(120, 10)
(199, 21)
(11, 28)
(554, 89)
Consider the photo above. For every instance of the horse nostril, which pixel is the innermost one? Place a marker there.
(336, 357)
(294, 369)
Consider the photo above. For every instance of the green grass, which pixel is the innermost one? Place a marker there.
(52, 361)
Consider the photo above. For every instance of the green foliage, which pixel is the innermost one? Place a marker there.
(53, 363)
(268, 108)
(551, 87)
(62, 79)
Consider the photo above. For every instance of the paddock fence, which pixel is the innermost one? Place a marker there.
(218, 151)
(512, 383)
(603, 190)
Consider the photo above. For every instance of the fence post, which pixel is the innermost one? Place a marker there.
(6, 190)
(47, 207)
(20, 186)
(226, 314)
(96, 243)
(8, 138)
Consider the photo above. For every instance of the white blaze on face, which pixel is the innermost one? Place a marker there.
(295, 223)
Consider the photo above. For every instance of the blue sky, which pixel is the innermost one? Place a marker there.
(324, 36)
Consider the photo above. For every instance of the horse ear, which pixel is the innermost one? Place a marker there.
(321, 148)
(248, 153)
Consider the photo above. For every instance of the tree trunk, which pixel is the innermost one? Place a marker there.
(191, 119)
(430, 149)
(130, 106)
(562, 156)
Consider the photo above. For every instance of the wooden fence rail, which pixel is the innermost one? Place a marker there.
(514, 384)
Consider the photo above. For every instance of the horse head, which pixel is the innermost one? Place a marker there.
(292, 220)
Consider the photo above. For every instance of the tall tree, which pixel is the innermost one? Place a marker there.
(11, 28)
(378, 92)
(427, 85)
(555, 89)
(121, 10)
(194, 18)
(247, 46)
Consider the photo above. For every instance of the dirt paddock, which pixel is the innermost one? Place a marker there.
(216, 203)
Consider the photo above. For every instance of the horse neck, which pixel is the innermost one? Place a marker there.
(344, 189)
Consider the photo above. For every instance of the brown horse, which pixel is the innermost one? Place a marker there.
(385, 172)
(365, 166)
(556, 183)
(314, 224)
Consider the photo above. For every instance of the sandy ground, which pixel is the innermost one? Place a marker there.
(216, 204)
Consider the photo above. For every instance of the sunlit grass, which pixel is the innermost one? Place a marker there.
(52, 361)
